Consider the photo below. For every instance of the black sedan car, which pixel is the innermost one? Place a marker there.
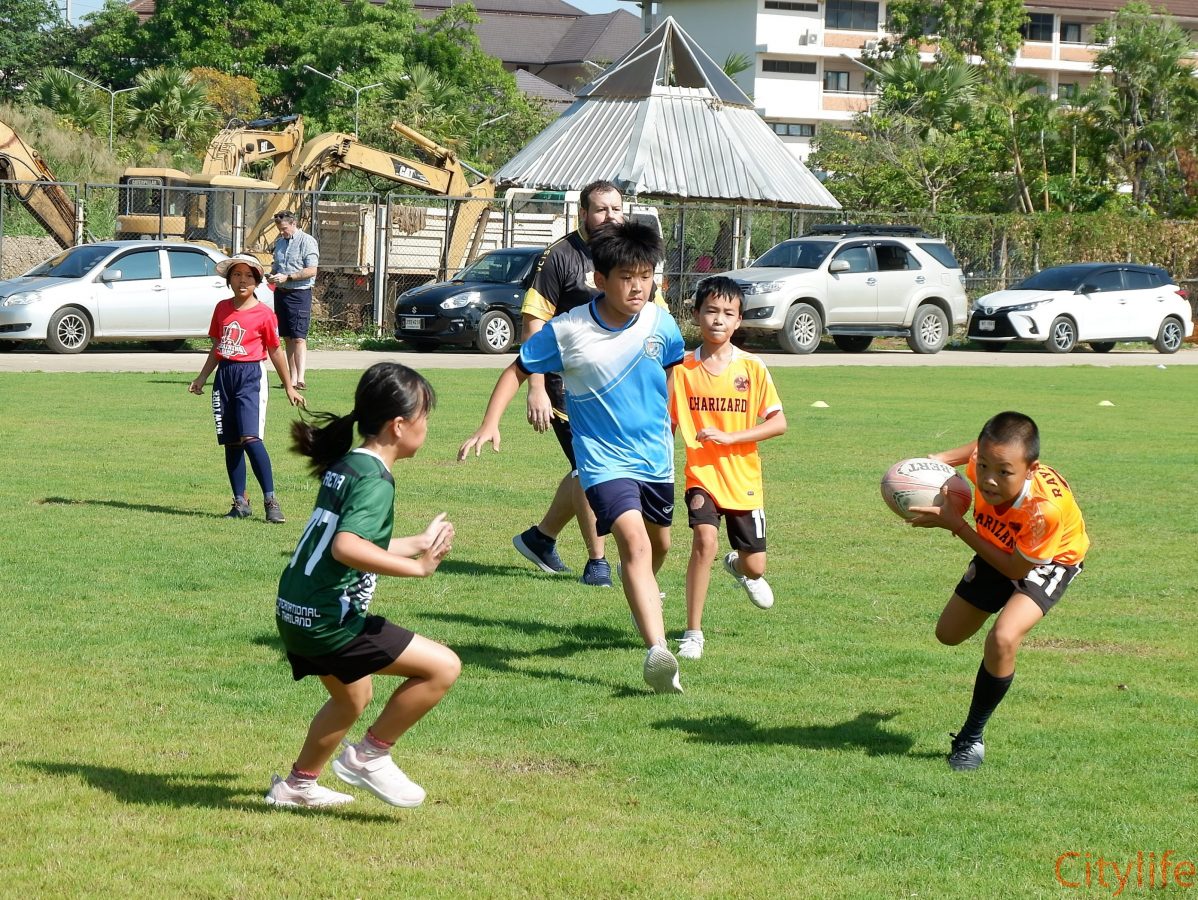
(481, 306)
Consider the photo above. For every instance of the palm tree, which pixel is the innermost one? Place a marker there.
(426, 102)
(1024, 109)
(940, 96)
(170, 103)
(72, 99)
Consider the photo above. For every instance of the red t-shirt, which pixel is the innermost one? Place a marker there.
(243, 335)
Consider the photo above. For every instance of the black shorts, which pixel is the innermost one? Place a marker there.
(746, 527)
(239, 400)
(556, 389)
(380, 644)
(611, 499)
(293, 309)
(988, 589)
(565, 437)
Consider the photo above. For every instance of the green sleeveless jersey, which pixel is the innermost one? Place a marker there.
(322, 603)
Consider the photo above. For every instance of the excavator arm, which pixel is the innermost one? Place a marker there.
(330, 153)
(48, 203)
(241, 143)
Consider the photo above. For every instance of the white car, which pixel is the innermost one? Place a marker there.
(1094, 303)
(162, 292)
(856, 282)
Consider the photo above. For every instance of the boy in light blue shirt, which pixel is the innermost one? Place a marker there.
(613, 354)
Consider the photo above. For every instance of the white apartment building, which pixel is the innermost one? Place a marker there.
(806, 53)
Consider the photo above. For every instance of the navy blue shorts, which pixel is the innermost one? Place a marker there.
(239, 400)
(293, 309)
(380, 644)
(611, 499)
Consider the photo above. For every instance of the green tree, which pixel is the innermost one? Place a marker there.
(1020, 110)
(170, 104)
(987, 29)
(941, 97)
(1140, 98)
(109, 45)
(30, 39)
(73, 100)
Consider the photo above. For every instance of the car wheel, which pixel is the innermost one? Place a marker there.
(496, 332)
(422, 345)
(70, 330)
(802, 330)
(852, 343)
(166, 346)
(929, 329)
(1102, 346)
(1062, 335)
(1170, 337)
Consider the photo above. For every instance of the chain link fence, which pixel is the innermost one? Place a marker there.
(375, 245)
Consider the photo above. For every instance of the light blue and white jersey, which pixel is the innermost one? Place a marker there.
(616, 389)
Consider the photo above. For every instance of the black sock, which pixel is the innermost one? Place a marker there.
(988, 692)
(543, 536)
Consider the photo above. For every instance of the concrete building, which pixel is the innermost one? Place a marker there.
(806, 54)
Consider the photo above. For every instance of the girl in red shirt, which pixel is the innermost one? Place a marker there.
(244, 333)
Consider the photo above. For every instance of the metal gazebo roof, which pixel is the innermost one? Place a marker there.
(665, 121)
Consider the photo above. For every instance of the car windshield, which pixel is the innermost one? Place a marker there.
(1066, 278)
(495, 268)
(73, 263)
(795, 255)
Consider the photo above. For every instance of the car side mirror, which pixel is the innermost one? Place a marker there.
(111, 275)
(839, 265)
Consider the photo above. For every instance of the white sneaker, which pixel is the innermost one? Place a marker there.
(661, 671)
(758, 590)
(381, 776)
(690, 645)
(283, 794)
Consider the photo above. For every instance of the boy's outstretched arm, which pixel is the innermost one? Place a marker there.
(773, 426)
(958, 456)
(509, 382)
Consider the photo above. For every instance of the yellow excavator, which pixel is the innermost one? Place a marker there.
(219, 206)
(444, 175)
(240, 144)
(48, 203)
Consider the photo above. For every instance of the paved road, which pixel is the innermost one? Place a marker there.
(120, 358)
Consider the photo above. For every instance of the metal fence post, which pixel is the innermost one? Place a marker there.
(382, 221)
(3, 203)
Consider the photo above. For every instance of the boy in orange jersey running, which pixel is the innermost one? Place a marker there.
(1028, 546)
(723, 403)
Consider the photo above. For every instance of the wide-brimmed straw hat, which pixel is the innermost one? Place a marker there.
(223, 267)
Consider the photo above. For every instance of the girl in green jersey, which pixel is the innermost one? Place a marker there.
(327, 586)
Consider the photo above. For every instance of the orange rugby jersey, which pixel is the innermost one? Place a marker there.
(1043, 524)
(734, 400)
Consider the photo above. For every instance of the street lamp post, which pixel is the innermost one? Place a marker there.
(111, 99)
(357, 91)
(488, 122)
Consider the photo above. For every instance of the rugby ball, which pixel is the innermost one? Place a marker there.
(917, 482)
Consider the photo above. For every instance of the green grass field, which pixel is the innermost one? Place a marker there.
(146, 702)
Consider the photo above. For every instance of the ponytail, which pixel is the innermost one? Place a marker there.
(324, 440)
(385, 391)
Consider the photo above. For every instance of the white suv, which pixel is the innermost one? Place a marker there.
(856, 282)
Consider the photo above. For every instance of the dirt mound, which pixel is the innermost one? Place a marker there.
(20, 254)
